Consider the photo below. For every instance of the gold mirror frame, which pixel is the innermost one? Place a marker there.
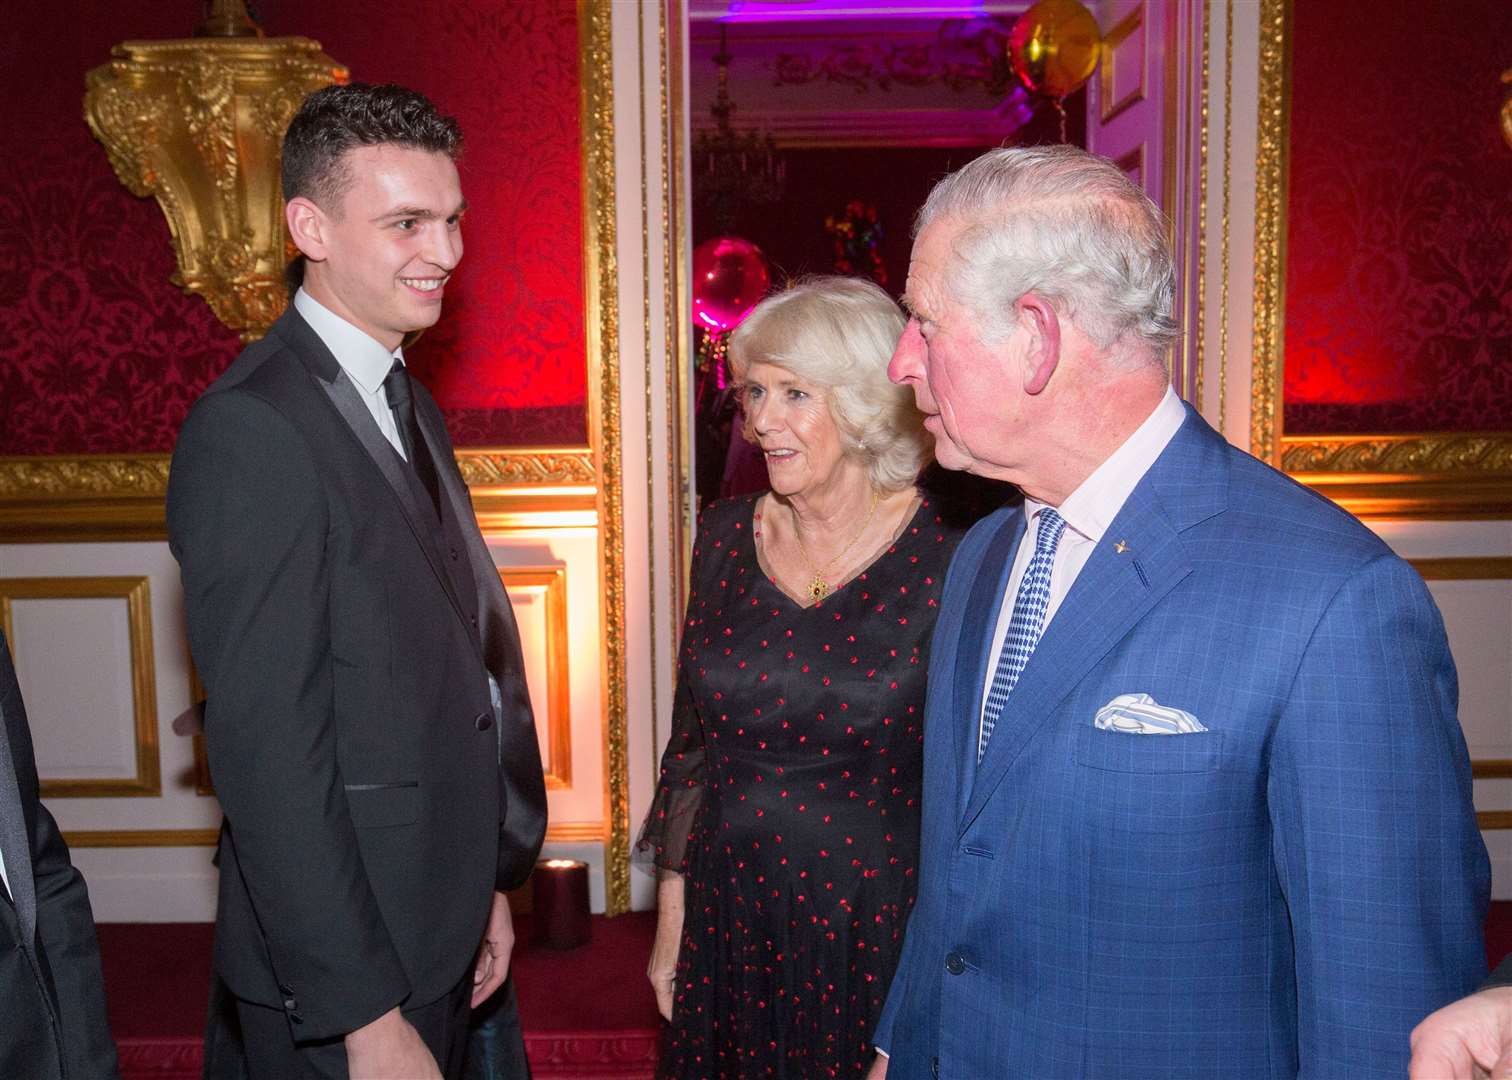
(106, 497)
(1424, 475)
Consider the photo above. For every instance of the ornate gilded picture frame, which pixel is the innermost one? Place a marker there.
(1411, 474)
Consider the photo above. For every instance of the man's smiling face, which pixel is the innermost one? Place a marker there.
(388, 248)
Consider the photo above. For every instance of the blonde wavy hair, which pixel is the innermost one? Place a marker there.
(839, 333)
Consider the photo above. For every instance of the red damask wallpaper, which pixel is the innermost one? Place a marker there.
(99, 353)
(1399, 260)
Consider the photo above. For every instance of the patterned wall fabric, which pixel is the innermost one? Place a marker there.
(99, 353)
(1399, 277)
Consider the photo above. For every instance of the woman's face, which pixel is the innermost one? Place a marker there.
(791, 422)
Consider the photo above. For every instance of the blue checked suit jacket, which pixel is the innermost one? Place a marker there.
(1284, 894)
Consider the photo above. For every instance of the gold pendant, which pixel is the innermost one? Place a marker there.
(818, 589)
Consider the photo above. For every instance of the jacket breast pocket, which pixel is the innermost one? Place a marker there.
(383, 806)
(1122, 752)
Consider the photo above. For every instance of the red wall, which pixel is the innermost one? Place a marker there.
(1399, 261)
(99, 353)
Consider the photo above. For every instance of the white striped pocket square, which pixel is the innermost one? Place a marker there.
(1138, 714)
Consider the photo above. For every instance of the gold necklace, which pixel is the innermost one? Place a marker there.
(818, 588)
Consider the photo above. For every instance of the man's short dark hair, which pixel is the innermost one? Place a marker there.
(340, 118)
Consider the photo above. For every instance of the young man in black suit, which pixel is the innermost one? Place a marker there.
(367, 723)
(50, 986)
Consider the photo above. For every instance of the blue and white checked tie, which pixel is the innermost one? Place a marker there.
(1026, 624)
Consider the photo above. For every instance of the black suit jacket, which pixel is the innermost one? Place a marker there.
(373, 798)
(51, 991)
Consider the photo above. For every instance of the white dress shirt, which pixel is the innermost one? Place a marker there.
(1087, 511)
(365, 361)
(4, 878)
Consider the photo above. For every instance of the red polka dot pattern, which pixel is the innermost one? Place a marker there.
(789, 797)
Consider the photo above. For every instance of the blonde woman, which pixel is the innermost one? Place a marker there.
(785, 825)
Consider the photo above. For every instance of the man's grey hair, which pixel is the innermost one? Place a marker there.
(1067, 225)
(839, 333)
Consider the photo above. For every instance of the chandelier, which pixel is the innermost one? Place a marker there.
(733, 170)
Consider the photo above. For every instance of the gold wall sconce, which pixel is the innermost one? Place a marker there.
(198, 123)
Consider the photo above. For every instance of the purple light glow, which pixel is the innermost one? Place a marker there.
(761, 11)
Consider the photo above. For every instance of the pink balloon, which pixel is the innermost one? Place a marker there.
(729, 278)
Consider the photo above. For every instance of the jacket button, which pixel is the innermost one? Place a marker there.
(295, 1018)
(934, 1068)
(474, 620)
(290, 1004)
(955, 963)
(286, 990)
(483, 722)
(454, 554)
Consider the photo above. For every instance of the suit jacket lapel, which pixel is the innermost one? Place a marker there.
(15, 841)
(975, 645)
(1113, 592)
(413, 500)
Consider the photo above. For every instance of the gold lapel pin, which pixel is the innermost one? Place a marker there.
(1121, 547)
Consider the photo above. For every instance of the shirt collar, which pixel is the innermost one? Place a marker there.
(1091, 508)
(366, 362)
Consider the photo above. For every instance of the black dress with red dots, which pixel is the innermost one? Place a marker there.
(789, 799)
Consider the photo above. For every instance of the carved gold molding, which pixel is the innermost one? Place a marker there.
(526, 467)
(1441, 475)
(1270, 229)
(83, 476)
(534, 488)
(601, 272)
(1489, 453)
(137, 594)
(1444, 476)
(81, 498)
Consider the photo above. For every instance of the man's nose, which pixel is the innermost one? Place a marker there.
(445, 248)
(906, 364)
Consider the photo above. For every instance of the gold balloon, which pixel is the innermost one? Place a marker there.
(1054, 47)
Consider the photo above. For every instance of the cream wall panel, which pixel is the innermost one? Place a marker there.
(580, 802)
(1478, 616)
(1478, 619)
(74, 663)
(126, 884)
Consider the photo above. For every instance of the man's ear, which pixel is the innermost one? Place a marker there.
(1037, 316)
(306, 227)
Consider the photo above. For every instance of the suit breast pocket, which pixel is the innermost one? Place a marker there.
(1121, 752)
(383, 806)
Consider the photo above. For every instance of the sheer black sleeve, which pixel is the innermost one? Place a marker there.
(668, 826)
